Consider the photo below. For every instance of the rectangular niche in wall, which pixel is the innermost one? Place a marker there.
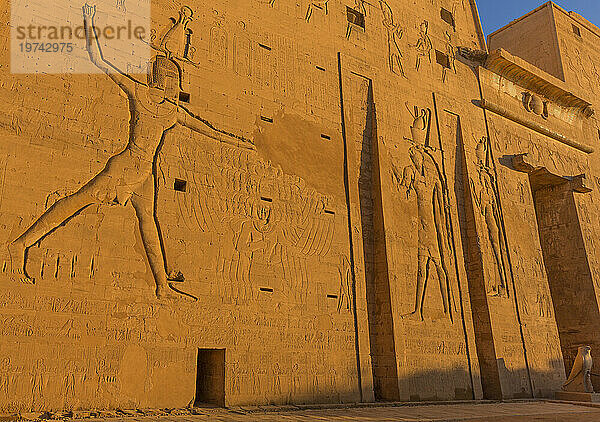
(442, 59)
(447, 17)
(355, 17)
(210, 378)
(180, 185)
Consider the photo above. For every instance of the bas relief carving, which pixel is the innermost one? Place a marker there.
(424, 45)
(254, 212)
(485, 198)
(129, 177)
(451, 52)
(345, 295)
(423, 177)
(321, 5)
(534, 104)
(394, 36)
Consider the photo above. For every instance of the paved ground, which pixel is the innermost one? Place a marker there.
(487, 412)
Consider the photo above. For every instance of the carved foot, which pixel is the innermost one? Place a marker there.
(176, 276)
(163, 291)
(16, 264)
(415, 316)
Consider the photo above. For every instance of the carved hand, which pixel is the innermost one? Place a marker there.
(89, 11)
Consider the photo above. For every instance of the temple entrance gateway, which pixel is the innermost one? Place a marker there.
(565, 260)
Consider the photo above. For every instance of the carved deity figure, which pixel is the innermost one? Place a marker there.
(394, 35)
(485, 199)
(423, 177)
(580, 380)
(129, 177)
(451, 51)
(315, 4)
(424, 44)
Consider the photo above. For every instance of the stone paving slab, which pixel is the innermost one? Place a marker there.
(484, 412)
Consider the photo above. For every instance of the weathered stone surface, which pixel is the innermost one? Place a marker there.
(306, 202)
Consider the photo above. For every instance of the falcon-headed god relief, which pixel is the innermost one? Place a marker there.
(423, 177)
(129, 176)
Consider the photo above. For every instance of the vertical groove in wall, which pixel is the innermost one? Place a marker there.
(349, 218)
(505, 238)
(473, 258)
(381, 324)
(453, 240)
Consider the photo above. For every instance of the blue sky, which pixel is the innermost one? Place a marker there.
(497, 13)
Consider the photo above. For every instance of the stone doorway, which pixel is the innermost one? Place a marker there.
(566, 262)
(210, 378)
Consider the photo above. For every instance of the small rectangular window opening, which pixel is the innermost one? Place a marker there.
(447, 17)
(266, 289)
(264, 198)
(355, 17)
(442, 59)
(266, 119)
(266, 47)
(180, 185)
(332, 296)
(184, 97)
(329, 212)
(576, 31)
(327, 137)
(320, 68)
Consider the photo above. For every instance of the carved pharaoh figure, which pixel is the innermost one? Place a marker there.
(424, 44)
(423, 177)
(129, 176)
(451, 51)
(485, 199)
(394, 34)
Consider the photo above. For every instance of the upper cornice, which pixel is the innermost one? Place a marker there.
(536, 80)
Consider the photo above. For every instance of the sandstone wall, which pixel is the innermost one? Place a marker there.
(346, 214)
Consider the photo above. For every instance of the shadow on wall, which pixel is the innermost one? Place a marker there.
(39, 391)
(412, 388)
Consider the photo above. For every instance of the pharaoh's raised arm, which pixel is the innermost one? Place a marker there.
(95, 52)
(93, 48)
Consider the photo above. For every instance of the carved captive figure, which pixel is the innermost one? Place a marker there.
(129, 176)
